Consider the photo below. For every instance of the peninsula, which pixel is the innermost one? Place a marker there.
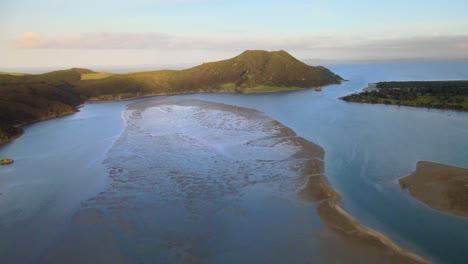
(440, 186)
(432, 94)
(26, 98)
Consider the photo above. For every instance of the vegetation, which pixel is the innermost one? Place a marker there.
(12, 73)
(28, 98)
(269, 89)
(432, 94)
(277, 70)
(9, 132)
(95, 75)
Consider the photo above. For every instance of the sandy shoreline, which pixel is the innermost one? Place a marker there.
(439, 186)
(318, 190)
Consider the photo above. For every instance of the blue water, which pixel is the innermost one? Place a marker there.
(58, 164)
(368, 147)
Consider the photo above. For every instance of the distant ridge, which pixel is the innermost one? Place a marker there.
(26, 98)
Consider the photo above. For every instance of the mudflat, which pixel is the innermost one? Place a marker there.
(440, 186)
(199, 182)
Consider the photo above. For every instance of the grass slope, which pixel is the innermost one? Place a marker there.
(95, 75)
(12, 73)
(251, 71)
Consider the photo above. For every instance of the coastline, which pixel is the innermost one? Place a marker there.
(22, 132)
(15, 137)
(91, 101)
(408, 105)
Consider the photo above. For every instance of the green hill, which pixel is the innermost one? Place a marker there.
(27, 98)
(250, 71)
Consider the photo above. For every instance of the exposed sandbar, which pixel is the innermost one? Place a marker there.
(339, 220)
(440, 186)
(317, 189)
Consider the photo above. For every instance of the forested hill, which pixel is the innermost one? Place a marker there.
(26, 98)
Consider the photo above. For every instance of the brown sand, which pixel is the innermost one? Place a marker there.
(378, 246)
(372, 245)
(440, 186)
(317, 189)
(339, 220)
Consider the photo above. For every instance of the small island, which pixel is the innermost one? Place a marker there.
(431, 94)
(440, 186)
(6, 161)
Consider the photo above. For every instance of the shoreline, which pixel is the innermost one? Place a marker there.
(97, 101)
(21, 125)
(318, 190)
(405, 105)
(344, 223)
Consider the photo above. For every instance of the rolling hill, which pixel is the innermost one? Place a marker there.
(251, 71)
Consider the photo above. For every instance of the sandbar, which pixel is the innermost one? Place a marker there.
(440, 186)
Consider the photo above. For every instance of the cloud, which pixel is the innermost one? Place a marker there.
(31, 40)
(314, 45)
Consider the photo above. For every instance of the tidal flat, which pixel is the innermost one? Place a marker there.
(193, 181)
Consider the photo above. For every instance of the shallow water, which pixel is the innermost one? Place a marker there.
(196, 182)
(58, 162)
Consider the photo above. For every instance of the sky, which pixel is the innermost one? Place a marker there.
(105, 33)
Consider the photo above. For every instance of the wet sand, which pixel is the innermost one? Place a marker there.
(381, 248)
(198, 182)
(440, 186)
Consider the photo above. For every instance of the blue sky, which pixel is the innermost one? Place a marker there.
(58, 33)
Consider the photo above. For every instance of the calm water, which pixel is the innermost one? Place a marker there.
(57, 165)
(367, 147)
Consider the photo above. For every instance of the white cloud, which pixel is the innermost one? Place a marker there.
(312, 46)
